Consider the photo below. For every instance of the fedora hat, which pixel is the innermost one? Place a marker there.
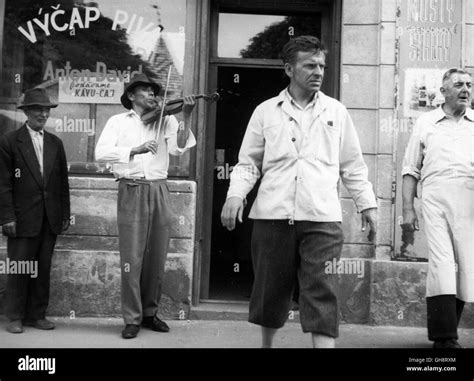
(36, 97)
(138, 80)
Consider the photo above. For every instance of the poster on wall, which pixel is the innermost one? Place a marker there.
(430, 40)
(422, 91)
(90, 90)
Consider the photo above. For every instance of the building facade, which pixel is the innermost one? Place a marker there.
(385, 62)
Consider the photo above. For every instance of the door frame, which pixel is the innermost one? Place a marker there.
(209, 63)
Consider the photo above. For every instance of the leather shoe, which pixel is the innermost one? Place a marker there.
(40, 324)
(15, 326)
(449, 343)
(130, 331)
(155, 323)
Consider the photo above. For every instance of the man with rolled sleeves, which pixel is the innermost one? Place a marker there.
(34, 209)
(440, 154)
(140, 163)
(300, 144)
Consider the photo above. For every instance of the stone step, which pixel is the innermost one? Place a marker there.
(228, 310)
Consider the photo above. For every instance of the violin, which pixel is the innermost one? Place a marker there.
(172, 106)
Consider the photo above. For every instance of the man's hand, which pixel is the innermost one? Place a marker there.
(369, 217)
(233, 208)
(410, 220)
(9, 229)
(66, 224)
(189, 103)
(149, 146)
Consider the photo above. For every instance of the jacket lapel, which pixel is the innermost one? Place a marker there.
(50, 150)
(29, 155)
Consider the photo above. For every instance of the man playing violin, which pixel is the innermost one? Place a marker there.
(139, 155)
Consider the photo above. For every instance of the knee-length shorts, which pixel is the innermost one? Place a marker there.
(284, 253)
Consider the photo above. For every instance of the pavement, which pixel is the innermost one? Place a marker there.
(105, 333)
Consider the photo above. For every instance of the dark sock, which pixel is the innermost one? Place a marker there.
(442, 317)
(459, 308)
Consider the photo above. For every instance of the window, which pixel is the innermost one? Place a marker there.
(258, 36)
(83, 53)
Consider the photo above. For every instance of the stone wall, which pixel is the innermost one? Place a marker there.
(367, 90)
(85, 275)
(398, 295)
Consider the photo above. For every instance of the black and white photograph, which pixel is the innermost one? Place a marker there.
(235, 187)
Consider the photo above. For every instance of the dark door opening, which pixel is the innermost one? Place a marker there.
(245, 65)
(231, 274)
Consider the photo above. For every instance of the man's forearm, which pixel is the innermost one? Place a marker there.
(133, 152)
(183, 135)
(409, 191)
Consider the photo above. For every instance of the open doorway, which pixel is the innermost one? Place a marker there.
(231, 273)
(245, 65)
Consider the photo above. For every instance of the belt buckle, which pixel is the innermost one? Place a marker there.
(291, 221)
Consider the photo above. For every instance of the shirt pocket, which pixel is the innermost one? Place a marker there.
(276, 145)
(327, 143)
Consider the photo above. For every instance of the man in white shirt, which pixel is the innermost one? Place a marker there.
(300, 143)
(440, 154)
(140, 158)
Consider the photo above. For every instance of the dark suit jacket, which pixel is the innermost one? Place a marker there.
(24, 194)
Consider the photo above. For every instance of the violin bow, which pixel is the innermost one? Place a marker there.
(157, 133)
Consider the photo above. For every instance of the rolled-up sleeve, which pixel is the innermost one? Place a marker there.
(413, 159)
(353, 170)
(171, 136)
(248, 170)
(107, 149)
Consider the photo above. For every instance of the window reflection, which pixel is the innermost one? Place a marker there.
(83, 53)
(261, 36)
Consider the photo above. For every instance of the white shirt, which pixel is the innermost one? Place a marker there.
(125, 131)
(303, 117)
(37, 138)
(441, 148)
(301, 186)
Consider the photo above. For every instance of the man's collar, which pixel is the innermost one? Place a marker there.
(470, 114)
(290, 98)
(31, 131)
(439, 114)
(132, 112)
(319, 97)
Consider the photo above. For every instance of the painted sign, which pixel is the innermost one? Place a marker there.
(429, 35)
(90, 90)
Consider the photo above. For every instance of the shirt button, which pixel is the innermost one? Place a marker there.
(296, 178)
(293, 140)
(291, 119)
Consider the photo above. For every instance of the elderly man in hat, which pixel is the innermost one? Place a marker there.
(34, 209)
(440, 155)
(140, 157)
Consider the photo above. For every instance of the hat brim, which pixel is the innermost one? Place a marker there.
(124, 98)
(50, 105)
